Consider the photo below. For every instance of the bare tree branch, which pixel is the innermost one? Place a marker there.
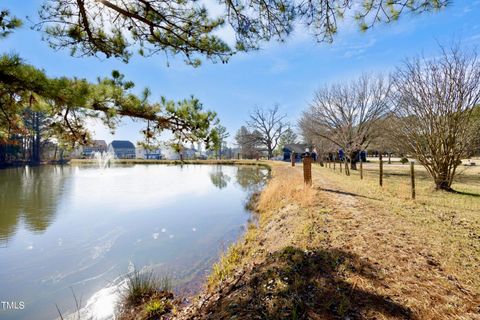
(270, 125)
(435, 100)
(346, 114)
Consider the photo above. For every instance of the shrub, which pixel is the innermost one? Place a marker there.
(156, 308)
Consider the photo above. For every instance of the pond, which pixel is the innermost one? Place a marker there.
(75, 231)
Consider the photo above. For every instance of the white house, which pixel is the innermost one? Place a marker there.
(142, 153)
(96, 146)
(187, 153)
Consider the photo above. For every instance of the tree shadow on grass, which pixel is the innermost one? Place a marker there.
(295, 284)
(463, 193)
(346, 193)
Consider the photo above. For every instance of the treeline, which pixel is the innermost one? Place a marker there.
(426, 109)
(186, 28)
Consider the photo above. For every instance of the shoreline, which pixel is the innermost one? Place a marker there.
(262, 163)
(249, 250)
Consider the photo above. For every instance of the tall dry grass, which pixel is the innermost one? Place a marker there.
(285, 187)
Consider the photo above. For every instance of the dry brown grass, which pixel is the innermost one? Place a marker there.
(284, 189)
(429, 247)
(348, 249)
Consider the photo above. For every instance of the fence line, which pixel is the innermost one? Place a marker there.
(381, 172)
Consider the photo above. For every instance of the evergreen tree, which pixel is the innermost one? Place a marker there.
(288, 137)
(220, 142)
(185, 27)
(69, 102)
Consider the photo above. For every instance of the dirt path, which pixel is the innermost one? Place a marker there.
(408, 265)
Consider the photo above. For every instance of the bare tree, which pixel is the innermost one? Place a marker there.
(346, 114)
(271, 126)
(435, 101)
(385, 141)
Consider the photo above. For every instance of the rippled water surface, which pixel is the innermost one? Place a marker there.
(76, 230)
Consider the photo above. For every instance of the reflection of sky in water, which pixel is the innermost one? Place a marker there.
(79, 228)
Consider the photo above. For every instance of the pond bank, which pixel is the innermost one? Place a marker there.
(177, 162)
(328, 252)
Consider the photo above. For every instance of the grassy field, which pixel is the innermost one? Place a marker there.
(346, 248)
(443, 226)
(396, 183)
(450, 220)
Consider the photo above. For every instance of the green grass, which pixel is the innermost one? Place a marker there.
(226, 266)
(156, 308)
(142, 285)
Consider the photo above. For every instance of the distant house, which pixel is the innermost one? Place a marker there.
(298, 148)
(185, 154)
(170, 154)
(96, 146)
(77, 152)
(142, 153)
(362, 155)
(122, 149)
(188, 153)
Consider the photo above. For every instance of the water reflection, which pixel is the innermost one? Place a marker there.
(81, 228)
(29, 195)
(219, 178)
(251, 179)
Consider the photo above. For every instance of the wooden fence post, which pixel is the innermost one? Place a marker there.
(292, 158)
(361, 168)
(307, 170)
(340, 165)
(380, 157)
(334, 164)
(412, 177)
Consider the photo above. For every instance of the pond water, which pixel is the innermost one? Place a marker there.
(70, 231)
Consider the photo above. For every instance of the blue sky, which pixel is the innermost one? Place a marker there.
(285, 74)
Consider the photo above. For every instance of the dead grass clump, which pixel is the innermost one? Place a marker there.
(285, 187)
